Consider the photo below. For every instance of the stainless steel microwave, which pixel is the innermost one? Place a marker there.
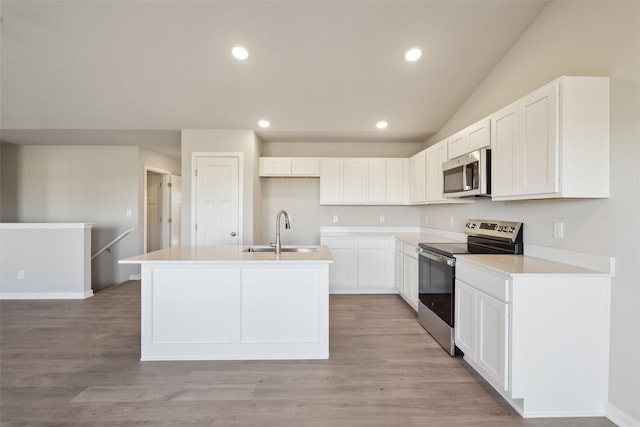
(468, 175)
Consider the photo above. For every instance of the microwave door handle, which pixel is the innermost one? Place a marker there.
(465, 186)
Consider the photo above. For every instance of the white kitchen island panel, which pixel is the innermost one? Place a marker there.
(193, 306)
(281, 306)
(228, 304)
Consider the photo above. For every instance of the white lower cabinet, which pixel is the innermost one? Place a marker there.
(465, 319)
(399, 267)
(540, 340)
(481, 331)
(409, 289)
(342, 272)
(361, 265)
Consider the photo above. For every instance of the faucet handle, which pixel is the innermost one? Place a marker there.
(272, 244)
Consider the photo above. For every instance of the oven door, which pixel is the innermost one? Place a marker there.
(435, 286)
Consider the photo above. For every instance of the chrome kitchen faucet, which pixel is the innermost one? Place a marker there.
(287, 225)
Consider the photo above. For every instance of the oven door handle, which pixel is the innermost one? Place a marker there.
(436, 257)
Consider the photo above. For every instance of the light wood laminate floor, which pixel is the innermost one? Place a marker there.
(69, 363)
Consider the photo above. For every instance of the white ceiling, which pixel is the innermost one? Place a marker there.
(318, 70)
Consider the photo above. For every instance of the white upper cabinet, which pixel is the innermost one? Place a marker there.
(417, 178)
(331, 181)
(356, 174)
(362, 181)
(469, 139)
(553, 142)
(289, 166)
(505, 138)
(435, 156)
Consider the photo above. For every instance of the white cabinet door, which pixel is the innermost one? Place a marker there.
(435, 156)
(465, 319)
(377, 181)
(538, 165)
(331, 181)
(355, 175)
(471, 138)
(457, 144)
(410, 271)
(417, 177)
(478, 135)
(395, 181)
(386, 181)
(342, 273)
(274, 166)
(505, 130)
(491, 333)
(305, 167)
(399, 269)
(375, 263)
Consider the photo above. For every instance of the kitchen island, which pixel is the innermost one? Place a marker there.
(225, 303)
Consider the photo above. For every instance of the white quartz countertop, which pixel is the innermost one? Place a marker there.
(227, 254)
(526, 265)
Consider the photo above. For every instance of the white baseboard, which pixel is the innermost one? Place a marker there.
(46, 295)
(135, 276)
(620, 418)
(356, 290)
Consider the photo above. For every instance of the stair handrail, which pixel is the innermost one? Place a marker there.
(107, 247)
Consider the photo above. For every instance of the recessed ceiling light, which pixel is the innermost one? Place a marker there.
(382, 124)
(240, 53)
(264, 123)
(413, 54)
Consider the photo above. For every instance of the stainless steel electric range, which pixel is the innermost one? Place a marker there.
(437, 264)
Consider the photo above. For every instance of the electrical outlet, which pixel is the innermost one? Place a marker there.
(426, 219)
(129, 212)
(558, 230)
(451, 221)
(335, 218)
(21, 274)
(381, 218)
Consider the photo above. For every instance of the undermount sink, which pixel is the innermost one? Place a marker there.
(284, 249)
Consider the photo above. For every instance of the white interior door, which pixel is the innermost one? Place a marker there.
(176, 203)
(217, 201)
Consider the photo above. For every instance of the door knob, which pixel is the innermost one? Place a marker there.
(233, 234)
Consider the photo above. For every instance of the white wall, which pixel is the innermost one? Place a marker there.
(223, 141)
(45, 261)
(579, 38)
(70, 183)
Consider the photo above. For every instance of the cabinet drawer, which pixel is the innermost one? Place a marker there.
(491, 284)
(410, 250)
(339, 243)
(374, 243)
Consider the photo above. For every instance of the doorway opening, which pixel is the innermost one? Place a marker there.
(163, 199)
